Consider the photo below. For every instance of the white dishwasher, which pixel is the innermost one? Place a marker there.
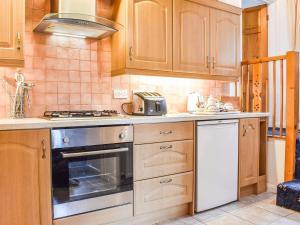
(216, 164)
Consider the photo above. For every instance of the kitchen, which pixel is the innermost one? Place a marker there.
(80, 157)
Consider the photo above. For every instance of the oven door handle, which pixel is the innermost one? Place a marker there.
(91, 153)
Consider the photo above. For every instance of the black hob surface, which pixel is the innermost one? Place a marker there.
(80, 114)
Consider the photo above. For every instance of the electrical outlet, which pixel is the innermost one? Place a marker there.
(120, 93)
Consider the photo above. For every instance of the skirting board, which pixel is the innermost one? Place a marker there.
(271, 188)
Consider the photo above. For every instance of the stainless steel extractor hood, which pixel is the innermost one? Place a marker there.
(76, 18)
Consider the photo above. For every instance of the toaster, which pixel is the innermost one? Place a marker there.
(149, 104)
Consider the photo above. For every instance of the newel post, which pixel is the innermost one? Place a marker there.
(292, 112)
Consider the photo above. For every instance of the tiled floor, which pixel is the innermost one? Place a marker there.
(259, 210)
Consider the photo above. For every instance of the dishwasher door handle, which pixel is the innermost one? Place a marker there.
(216, 122)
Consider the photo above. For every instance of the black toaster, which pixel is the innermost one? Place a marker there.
(149, 104)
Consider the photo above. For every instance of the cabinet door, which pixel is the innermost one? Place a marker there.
(150, 34)
(191, 37)
(160, 193)
(12, 20)
(25, 189)
(248, 151)
(225, 43)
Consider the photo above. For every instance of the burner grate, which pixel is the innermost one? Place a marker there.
(80, 114)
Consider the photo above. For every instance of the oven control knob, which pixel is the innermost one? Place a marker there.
(122, 135)
(66, 140)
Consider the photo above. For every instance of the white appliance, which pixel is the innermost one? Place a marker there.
(193, 102)
(217, 163)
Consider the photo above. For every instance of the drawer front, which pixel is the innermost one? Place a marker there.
(161, 159)
(153, 133)
(164, 192)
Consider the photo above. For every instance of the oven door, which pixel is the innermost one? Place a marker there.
(91, 178)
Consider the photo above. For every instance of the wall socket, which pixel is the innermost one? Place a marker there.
(120, 93)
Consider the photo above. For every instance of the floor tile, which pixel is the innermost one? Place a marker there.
(295, 216)
(265, 196)
(209, 215)
(256, 215)
(285, 221)
(270, 205)
(249, 200)
(228, 220)
(233, 206)
(175, 223)
(258, 210)
(190, 221)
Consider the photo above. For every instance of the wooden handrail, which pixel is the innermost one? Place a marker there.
(292, 112)
(281, 99)
(274, 99)
(255, 85)
(263, 60)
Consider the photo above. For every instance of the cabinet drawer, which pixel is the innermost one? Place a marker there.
(154, 160)
(164, 192)
(151, 133)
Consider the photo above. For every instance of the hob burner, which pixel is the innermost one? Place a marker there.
(80, 114)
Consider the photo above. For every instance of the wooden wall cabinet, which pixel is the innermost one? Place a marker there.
(150, 34)
(145, 41)
(191, 37)
(25, 189)
(225, 43)
(183, 38)
(206, 40)
(12, 26)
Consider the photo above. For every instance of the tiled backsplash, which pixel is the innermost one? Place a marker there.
(74, 74)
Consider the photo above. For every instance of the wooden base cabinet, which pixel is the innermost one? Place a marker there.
(12, 27)
(252, 156)
(160, 193)
(25, 187)
(160, 159)
(163, 166)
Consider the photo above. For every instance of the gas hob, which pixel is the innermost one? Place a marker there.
(78, 115)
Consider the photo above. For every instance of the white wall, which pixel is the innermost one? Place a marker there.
(237, 3)
(275, 163)
(278, 45)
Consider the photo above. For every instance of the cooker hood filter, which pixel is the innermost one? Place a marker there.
(76, 18)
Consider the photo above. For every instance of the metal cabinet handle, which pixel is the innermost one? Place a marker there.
(18, 40)
(44, 148)
(208, 62)
(166, 181)
(245, 129)
(166, 132)
(130, 53)
(214, 62)
(166, 147)
(93, 153)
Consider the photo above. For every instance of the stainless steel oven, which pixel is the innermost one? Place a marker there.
(92, 169)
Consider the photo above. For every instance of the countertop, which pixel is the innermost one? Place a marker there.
(40, 123)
